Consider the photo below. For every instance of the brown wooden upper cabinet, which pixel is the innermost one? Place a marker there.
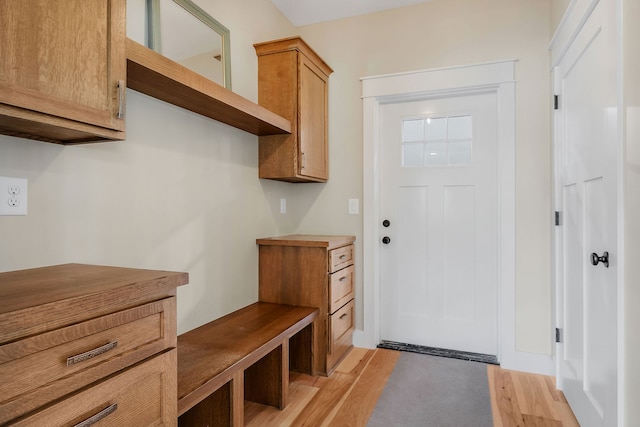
(63, 70)
(293, 82)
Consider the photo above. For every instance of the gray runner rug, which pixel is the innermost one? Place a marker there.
(430, 391)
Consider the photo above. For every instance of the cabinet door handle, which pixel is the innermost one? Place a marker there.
(304, 160)
(99, 416)
(121, 88)
(72, 360)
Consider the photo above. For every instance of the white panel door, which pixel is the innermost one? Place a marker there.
(586, 186)
(438, 190)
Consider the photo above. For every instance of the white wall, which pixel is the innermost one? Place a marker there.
(182, 192)
(438, 34)
(558, 9)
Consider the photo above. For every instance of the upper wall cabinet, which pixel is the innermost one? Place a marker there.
(293, 82)
(62, 70)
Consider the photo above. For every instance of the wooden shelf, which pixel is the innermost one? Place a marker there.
(153, 74)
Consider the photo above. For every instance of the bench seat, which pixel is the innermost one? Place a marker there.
(244, 355)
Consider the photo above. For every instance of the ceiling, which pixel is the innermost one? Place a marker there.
(304, 12)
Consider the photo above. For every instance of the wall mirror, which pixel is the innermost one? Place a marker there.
(184, 33)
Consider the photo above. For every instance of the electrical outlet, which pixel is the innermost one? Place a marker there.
(283, 206)
(13, 196)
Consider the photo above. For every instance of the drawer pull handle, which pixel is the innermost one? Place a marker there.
(72, 360)
(343, 278)
(343, 256)
(99, 416)
(343, 316)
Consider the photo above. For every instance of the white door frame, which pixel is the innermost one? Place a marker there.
(495, 76)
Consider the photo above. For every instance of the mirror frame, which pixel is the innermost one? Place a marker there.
(153, 31)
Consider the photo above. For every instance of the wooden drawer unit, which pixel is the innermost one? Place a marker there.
(83, 336)
(341, 288)
(341, 323)
(37, 369)
(313, 271)
(139, 396)
(340, 258)
(341, 326)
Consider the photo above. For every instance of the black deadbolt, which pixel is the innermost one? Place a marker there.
(386, 223)
(386, 240)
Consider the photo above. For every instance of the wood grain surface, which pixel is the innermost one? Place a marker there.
(523, 399)
(210, 356)
(349, 395)
(155, 75)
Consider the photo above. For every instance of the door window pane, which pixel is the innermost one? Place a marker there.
(412, 130)
(437, 141)
(436, 128)
(436, 154)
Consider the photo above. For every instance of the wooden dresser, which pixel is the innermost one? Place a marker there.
(83, 343)
(313, 271)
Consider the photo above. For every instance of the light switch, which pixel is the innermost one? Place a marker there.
(354, 206)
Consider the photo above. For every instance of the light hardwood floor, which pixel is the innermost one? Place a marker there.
(348, 396)
(521, 399)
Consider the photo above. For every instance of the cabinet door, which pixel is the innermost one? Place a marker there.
(313, 121)
(64, 58)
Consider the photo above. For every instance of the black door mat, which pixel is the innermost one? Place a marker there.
(442, 352)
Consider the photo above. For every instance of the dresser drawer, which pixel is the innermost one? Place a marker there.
(341, 324)
(45, 367)
(340, 258)
(340, 288)
(143, 395)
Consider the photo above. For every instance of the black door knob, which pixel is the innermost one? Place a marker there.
(386, 240)
(386, 223)
(595, 259)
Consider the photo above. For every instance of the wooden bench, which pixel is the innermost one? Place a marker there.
(244, 355)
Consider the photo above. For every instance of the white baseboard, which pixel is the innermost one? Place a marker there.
(534, 363)
(360, 339)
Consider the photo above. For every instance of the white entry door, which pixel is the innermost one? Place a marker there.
(587, 198)
(438, 192)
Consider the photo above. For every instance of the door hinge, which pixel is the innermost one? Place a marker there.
(558, 335)
(557, 217)
(556, 102)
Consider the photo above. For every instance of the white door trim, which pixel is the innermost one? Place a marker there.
(494, 76)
